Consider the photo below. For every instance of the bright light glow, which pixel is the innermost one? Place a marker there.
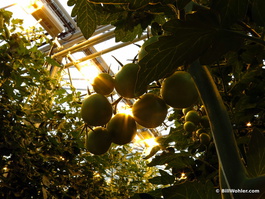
(126, 109)
(96, 175)
(137, 139)
(62, 158)
(248, 124)
(5, 169)
(144, 134)
(148, 143)
(30, 6)
(183, 176)
(89, 71)
(151, 142)
(109, 181)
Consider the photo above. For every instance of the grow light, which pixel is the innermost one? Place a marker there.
(44, 15)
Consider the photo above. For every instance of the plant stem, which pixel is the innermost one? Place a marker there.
(223, 185)
(245, 36)
(234, 172)
(249, 29)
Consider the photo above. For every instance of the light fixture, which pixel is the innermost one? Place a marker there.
(44, 15)
(31, 6)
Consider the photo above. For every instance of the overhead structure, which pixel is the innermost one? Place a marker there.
(72, 50)
(45, 16)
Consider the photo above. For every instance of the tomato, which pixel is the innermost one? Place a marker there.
(122, 128)
(98, 141)
(178, 90)
(125, 81)
(96, 110)
(149, 111)
(103, 84)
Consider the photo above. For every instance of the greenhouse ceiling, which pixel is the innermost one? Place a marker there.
(82, 58)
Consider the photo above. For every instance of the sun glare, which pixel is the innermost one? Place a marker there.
(126, 109)
(151, 142)
(248, 124)
(5, 169)
(62, 158)
(89, 71)
(30, 6)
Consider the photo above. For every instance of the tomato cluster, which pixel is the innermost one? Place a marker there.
(149, 108)
(196, 124)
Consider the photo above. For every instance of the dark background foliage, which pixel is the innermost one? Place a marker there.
(41, 141)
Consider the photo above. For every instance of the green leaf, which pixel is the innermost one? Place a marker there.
(132, 4)
(199, 35)
(108, 14)
(191, 190)
(226, 42)
(249, 76)
(182, 3)
(90, 15)
(126, 35)
(71, 2)
(7, 15)
(256, 154)
(230, 11)
(86, 18)
(130, 25)
(258, 14)
(153, 151)
(166, 178)
(178, 160)
(52, 62)
(169, 52)
(155, 180)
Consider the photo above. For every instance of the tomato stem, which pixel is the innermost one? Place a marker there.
(232, 169)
